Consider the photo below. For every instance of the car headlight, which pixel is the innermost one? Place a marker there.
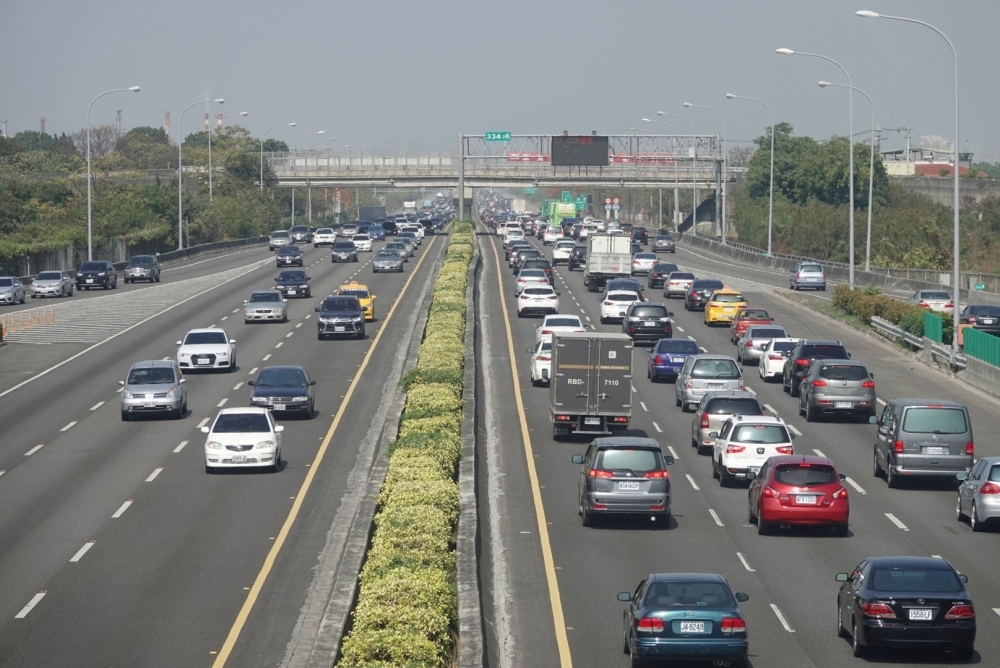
(173, 393)
(214, 445)
(264, 445)
(263, 399)
(127, 393)
(101, 274)
(300, 398)
(222, 354)
(185, 354)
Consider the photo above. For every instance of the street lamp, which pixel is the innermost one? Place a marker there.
(321, 141)
(725, 163)
(850, 143)
(642, 130)
(304, 134)
(871, 172)
(770, 188)
(659, 191)
(281, 125)
(90, 243)
(694, 173)
(180, 171)
(210, 200)
(653, 120)
(955, 250)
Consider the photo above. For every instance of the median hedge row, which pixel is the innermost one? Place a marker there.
(867, 303)
(406, 609)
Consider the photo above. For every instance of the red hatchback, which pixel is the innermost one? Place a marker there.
(746, 317)
(797, 490)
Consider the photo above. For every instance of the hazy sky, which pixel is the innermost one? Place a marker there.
(378, 73)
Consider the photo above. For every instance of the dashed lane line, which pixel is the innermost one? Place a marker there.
(751, 391)
(657, 427)
(279, 344)
(121, 510)
(770, 408)
(880, 401)
(82, 551)
(795, 431)
(744, 562)
(97, 405)
(203, 423)
(238, 385)
(895, 520)
(290, 333)
(850, 481)
(34, 450)
(715, 516)
(819, 453)
(266, 357)
(643, 406)
(152, 476)
(31, 604)
(673, 453)
(222, 403)
(702, 349)
(69, 426)
(693, 483)
(781, 618)
(680, 329)
(252, 371)
(181, 446)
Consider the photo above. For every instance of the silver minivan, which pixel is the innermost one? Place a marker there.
(154, 387)
(979, 494)
(807, 275)
(705, 373)
(923, 438)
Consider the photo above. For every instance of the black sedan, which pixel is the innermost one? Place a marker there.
(288, 256)
(984, 317)
(658, 274)
(344, 251)
(699, 292)
(293, 283)
(96, 274)
(577, 257)
(284, 389)
(906, 603)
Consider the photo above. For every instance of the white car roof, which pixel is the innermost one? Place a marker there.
(242, 410)
(205, 329)
(621, 292)
(759, 419)
(556, 315)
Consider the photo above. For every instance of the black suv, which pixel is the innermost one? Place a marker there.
(803, 354)
(648, 321)
(96, 274)
(522, 256)
(293, 283)
(699, 292)
(577, 257)
(640, 235)
(539, 263)
(659, 273)
(142, 268)
(340, 315)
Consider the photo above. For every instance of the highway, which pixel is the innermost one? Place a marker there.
(566, 610)
(117, 548)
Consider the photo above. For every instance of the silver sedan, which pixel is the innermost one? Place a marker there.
(265, 305)
(11, 290)
(979, 494)
(52, 284)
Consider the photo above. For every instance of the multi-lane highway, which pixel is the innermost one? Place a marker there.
(116, 548)
(552, 583)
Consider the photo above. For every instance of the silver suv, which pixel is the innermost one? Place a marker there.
(278, 239)
(702, 374)
(154, 387)
(713, 411)
(837, 387)
(807, 275)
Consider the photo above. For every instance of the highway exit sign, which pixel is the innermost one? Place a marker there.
(530, 191)
(980, 286)
(497, 136)
(567, 197)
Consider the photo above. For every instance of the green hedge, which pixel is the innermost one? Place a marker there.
(865, 304)
(406, 609)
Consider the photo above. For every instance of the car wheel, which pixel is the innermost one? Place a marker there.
(677, 401)
(859, 649)
(763, 528)
(974, 522)
(809, 414)
(636, 662)
(715, 469)
(793, 388)
(361, 334)
(319, 336)
(209, 469)
(891, 478)
(277, 462)
(877, 470)
(959, 515)
(751, 516)
(232, 365)
(841, 631)
(588, 517)
(126, 416)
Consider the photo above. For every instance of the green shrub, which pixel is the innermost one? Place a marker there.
(428, 399)
(451, 422)
(442, 494)
(913, 323)
(438, 455)
(414, 520)
(390, 648)
(416, 551)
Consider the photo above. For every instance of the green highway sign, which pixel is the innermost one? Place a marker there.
(531, 191)
(581, 203)
(980, 286)
(497, 136)
(567, 197)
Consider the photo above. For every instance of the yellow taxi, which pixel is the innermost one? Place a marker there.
(364, 295)
(723, 306)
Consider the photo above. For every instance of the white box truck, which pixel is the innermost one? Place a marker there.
(608, 256)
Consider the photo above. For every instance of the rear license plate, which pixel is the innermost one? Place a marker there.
(595, 421)
(628, 485)
(239, 459)
(692, 627)
(988, 321)
(805, 499)
(339, 329)
(754, 469)
(677, 360)
(728, 308)
(923, 614)
(279, 407)
(203, 360)
(935, 450)
(842, 404)
(713, 386)
(648, 324)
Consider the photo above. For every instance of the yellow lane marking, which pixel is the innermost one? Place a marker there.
(562, 640)
(279, 541)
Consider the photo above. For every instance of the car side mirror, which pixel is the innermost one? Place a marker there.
(182, 381)
(741, 597)
(316, 309)
(122, 383)
(577, 459)
(842, 476)
(275, 279)
(963, 577)
(872, 419)
(531, 351)
(251, 383)
(848, 355)
(309, 278)
(871, 375)
(536, 325)
(180, 343)
(245, 302)
(791, 436)
(280, 428)
(232, 341)
(842, 577)
(624, 596)
(284, 301)
(374, 297)
(962, 476)
(668, 460)
(204, 430)
(713, 434)
(772, 319)
(312, 382)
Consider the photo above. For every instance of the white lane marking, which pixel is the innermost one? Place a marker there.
(657, 427)
(691, 337)
(222, 403)
(97, 405)
(290, 333)
(252, 371)
(819, 453)
(308, 315)
(587, 317)
(643, 406)
(895, 520)
(166, 359)
(744, 562)
(236, 310)
(152, 476)
(266, 357)
(34, 450)
(693, 483)
(69, 426)
(2, 472)
(702, 349)
(673, 453)
(82, 551)
(996, 610)
(238, 385)
(751, 391)
(297, 325)
(850, 481)
(120, 389)
(781, 618)
(880, 401)
(225, 317)
(279, 344)
(181, 446)
(203, 423)
(715, 517)
(680, 329)
(935, 556)
(31, 604)
(770, 408)
(795, 431)
(121, 511)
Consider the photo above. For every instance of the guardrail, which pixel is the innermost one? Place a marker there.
(27, 319)
(891, 330)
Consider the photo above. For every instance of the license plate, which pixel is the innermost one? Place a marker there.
(339, 329)
(923, 614)
(149, 404)
(842, 404)
(202, 360)
(239, 459)
(714, 386)
(677, 360)
(90, 280)
(291, 292)
(755, 469)
(628, 485)
(649, 324)
(988, 321)
(808, 499)
(728, 308)
(279, 407)
(934, 450)
(692, 627)
(592, 421)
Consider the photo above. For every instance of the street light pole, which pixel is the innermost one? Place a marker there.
(304, 134)
(90, 240)
(210, 199)
(770, 188)
(955, 248)
(871, 173)
(694, 169)
(660, 190)
(282, 125)
(725, 163)
(850, 144)
(180, 171)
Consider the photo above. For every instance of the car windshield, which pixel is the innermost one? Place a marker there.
(677, 346)
(722, 369)
(389, 255)
(811, 268)
(994, 473)
(981, 309)
(933, 294)
(688, 595)
(300, 228)
(360, 293)
(804, 475)
(733, 406)
(141, 261)
(628, 284)
(727, 299)
(290, 250)
(281, 378)
(324, 230)
(915, 580)
(9, 282)
(766, 332)
(264, 297)
(44, 276)
(681, 276)
(825, 352)
(843, 372)
(92, 266)
(202, 338)
(783, 346)
(623, 297)
(649, 312)
(344, 246)
(279, 235)
(340, 305)
(151, 376)
(538, 291)
(935, 421)
(645, 256)
(759, 433)
(665, 268)
(362, 237)
(637, 461)
(753, 314)
(562, 322)
(241, 423)
(291, 276)
(664, 237)
(532, 273)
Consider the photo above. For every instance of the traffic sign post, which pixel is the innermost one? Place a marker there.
(581, 203)
(497, 136)
(567, 197)
(615, 207)
(980, 286)
(607, 208)
(530, 191)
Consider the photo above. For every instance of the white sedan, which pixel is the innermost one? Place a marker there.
(208, 348)
(324, 236)
(242, 437)
(363, 242)
(541, 363)
(553, 233)
(537, 299)
(642, 263)
(615, 303)
(558, 324)
(772, 358)
(562, 250)
(530, 277)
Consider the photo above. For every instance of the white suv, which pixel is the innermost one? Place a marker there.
(745, 443)
(561, 251)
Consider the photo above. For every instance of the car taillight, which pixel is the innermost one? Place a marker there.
(775, 358)
(546, 331)
(923, 303)
(650, 625)
(802, 362)
(897, 447)
(798, 275)
(961, 612)
(731, 625)
(748, 344)
(689, 383)
(609, 303)
(704, 421)
(819, 383)
(733, 449)
(740, 384)
(693, 294)
(785, 449)
(877, 610)
(972, 320)
(990, 488)
(970, 449)
(524, 296)
(770, 493)
(597, 473)
(840, 494)
(521, 280)
(657, 474)
(544, 358)
(658, 359)
(950, 305)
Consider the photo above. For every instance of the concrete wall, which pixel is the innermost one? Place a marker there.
(941, 189)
